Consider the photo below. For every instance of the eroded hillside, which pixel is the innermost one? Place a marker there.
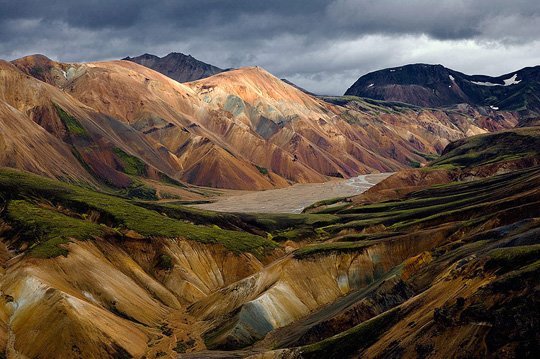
(389, 273)
(127, 125)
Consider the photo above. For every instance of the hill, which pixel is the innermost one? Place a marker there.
(114, 277)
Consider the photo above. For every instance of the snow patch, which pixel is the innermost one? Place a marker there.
(494, 107)
(508, 82)
(451, 78)
(392, 70)
(371, 85)
(485, 83)
(511, 81)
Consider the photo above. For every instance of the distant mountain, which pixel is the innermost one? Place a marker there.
(438, 86)
(179, 67)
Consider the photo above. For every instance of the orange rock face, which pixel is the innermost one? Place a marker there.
(240, 129)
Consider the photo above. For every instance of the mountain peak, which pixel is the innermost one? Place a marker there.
(176, 65)
(438, 86)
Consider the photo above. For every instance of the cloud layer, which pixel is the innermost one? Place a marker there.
(323, 46)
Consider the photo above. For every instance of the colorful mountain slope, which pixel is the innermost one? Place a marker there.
(241, 129)
(95, 275)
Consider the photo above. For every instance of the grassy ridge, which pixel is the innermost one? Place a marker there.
(491, 148)
(116, 212)
(47, 228)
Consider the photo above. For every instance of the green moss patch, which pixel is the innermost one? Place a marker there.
(131, 165)
(118, 212)
(46, 229)
(349, 342)
(73, 127)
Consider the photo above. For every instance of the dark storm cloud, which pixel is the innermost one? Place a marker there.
(322, 44)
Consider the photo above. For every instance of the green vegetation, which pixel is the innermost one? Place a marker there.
(50, 248)
(427, 156)
(507, 258)
(47, 228)
(491, 148)
(277, 221)
(132, 165)
(137, 189)
(262, 170)
(295, 234)
(114, 211)
(325, 202)
(73, 127)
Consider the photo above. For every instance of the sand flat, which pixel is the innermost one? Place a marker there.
(295, 198)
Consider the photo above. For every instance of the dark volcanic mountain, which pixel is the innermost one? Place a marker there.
(179, 67)
(438, 86)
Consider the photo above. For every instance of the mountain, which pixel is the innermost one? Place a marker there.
(177, 66)
(437, 86)
(90, 274)
(127, 126)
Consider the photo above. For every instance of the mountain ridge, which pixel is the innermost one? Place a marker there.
(438, 86)
(258, 131)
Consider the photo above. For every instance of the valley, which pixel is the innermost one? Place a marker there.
(293, 199)
(195, 212)
(422, 255)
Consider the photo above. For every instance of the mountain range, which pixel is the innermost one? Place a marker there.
(240, 129)
(101, 257)
(449, 250)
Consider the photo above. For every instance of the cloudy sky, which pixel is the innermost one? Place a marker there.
(323, 46)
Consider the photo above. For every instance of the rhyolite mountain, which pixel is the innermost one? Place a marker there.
(98, 263)
(438, 86)
(179, 67)
(120, 124)
(447, 251)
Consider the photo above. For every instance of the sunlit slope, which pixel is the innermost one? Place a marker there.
(244, 128)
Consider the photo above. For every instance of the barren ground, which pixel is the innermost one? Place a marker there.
(292, 199)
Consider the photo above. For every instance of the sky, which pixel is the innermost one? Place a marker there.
(323, 46)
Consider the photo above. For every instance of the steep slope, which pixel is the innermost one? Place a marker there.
(475, 246)
(437, 86)
(246, 129)
(100, 148)
(94, 275)
(177, 66)
(26, 145)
